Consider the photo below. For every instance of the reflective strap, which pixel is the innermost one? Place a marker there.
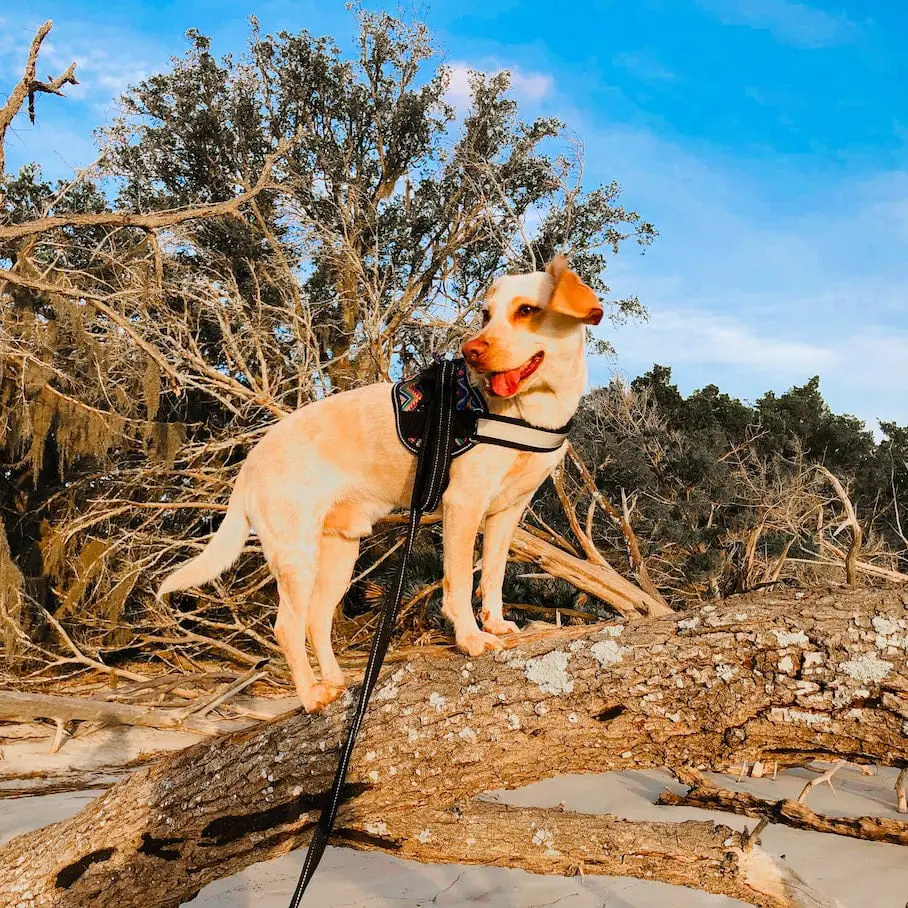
(514, 434)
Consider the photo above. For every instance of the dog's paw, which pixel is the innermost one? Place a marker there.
(319, 696)
(478, 642)
(499, 627)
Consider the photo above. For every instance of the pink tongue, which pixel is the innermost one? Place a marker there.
(504, 384)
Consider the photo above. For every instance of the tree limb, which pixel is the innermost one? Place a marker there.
(857, 534)
(599, 580)
(149, 220)
(791, 813)
(28, 86)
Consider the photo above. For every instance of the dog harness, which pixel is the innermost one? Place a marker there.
(474, 423)
(439, 415)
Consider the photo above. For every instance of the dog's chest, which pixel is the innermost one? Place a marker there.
(527, 472)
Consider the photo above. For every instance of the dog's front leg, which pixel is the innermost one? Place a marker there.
(461, 517)
(496, 540)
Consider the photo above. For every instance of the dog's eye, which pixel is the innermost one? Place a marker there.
(485, 316)
(527, 310)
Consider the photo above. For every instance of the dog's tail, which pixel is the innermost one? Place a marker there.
(223, 549)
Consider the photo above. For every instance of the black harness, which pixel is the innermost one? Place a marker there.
(474, 423)
(439, 414)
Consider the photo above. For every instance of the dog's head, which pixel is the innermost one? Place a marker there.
(532, 329)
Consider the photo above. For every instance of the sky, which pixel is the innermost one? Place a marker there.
(767, 140)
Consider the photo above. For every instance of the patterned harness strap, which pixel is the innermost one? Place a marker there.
(473, 422)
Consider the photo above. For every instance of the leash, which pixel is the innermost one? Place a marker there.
(433, 463)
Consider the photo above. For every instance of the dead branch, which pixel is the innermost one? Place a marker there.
(621, 519)
(706, 795)
(585, 539)
(599, 580)
(857, 534)
(154, 220)
(28, 86)
(824, 778)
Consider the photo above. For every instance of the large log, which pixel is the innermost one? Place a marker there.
(761, 677)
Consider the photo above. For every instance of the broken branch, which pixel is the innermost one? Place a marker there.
(707, 796)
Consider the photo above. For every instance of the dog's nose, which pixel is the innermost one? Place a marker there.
(475, 350)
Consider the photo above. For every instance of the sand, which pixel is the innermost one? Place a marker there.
(859, 874)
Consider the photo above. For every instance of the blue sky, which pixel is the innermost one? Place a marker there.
(766, 139)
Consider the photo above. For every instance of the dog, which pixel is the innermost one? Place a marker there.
(315, 484)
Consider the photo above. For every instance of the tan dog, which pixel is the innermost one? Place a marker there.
(318, 481)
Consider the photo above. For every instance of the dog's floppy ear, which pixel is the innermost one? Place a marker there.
(571, 296)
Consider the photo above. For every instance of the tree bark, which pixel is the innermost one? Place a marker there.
(760, 677)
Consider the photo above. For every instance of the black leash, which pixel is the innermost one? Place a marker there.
(433, 463)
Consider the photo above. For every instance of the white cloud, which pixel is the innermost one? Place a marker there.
(104, 72)
(525, 86)
(788, 21)
(680, 336)
(531, 86)
(765, 272)
(458, 94)
(100, 73)
(861, 373)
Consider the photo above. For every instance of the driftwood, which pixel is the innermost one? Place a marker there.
(15, 705)
(704, 794)
(595, 577)
(599, 580)
(761, 677)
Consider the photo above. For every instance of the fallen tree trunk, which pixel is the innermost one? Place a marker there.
(760, 677)
(599, 579)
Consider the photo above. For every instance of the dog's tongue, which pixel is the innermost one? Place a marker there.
(504, 384)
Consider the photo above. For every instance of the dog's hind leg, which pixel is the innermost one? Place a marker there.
(295, 582)
(335, 567)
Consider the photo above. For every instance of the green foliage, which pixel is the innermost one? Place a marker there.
(389, 209)
(707, 469)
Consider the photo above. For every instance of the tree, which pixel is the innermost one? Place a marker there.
(395, 215)
(285, 224)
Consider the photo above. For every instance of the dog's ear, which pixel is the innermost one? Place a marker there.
(557, 266)
(571, 296)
